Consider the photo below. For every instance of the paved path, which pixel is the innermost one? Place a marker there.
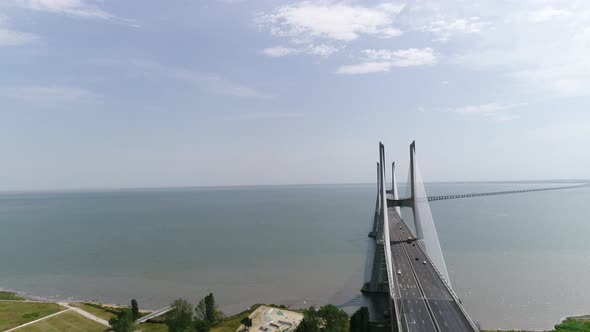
(37, 320)
(85, 314)
(153, 315)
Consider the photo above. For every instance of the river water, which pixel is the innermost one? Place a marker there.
(516, 261)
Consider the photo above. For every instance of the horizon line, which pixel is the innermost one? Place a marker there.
(139, 188)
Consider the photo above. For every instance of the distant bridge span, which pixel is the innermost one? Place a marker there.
(504, 192)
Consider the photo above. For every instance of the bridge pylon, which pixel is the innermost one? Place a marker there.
(376, 281)
(417, 223)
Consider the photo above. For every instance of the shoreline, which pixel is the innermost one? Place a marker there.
(35, 298)
(32, 298)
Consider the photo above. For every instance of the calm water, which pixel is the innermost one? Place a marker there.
(517, 261)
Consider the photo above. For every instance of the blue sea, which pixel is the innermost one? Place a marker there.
(516, 261)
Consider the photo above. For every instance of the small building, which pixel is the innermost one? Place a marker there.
(270, 319)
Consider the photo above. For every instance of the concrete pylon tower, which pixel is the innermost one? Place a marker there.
(394, 188)
(376, 281)
(419, 232)
(378, 202)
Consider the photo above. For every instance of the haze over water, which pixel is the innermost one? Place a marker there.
(516, 261)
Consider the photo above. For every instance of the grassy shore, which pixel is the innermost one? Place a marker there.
(97, 310)
(64, 322)
(13, 314)
(152, 327)
(15, 311)
(4, 295)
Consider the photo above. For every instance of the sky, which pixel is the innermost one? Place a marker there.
(145, 93)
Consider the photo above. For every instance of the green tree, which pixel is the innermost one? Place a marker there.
(134, 309)
(210, 308)
(310, 321)
(573, 325)
(247, 322)
(201, 325)
(123, 322)
(201, 310)
(207, 310)
(333, 319)
(180, 318)
(359, 322)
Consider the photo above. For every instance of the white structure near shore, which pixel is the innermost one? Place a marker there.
(271, 319)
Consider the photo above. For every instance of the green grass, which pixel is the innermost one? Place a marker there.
(568, 325)
(152, 327)
(98, 310)
(10, 296)
(64, 322)
(573, 325)
(231, 324)
(13, 314)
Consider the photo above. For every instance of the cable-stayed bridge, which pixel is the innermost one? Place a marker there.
(406, 265)
(409, 267)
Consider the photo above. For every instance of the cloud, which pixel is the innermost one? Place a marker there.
(337, 21)
(316, 50)
(86, 9)
(265, 115)
(548, 14)
(209, 81)
(231, 2)
(322, 50)
(391, 32)
(308, 23)
(79, 8)
(548, 55)
(403, 58)
(47, 94)
(243, 91)
(562, 131)
(365, 68)
(205, 81)
(444, 28)
(15, 38)
(279, 51)
(9, 37)
(498, 112)
(384, 60)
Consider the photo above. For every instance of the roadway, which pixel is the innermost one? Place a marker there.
(425, 302)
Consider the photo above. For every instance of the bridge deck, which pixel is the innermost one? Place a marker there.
(425, 302)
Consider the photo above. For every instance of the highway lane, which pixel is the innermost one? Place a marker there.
(413, 309)
(446, 312)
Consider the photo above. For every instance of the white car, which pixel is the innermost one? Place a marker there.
(399, 271)
(424, 262)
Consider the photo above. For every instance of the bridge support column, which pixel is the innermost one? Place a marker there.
(394, 188)
(418, 225)
(376, 282)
